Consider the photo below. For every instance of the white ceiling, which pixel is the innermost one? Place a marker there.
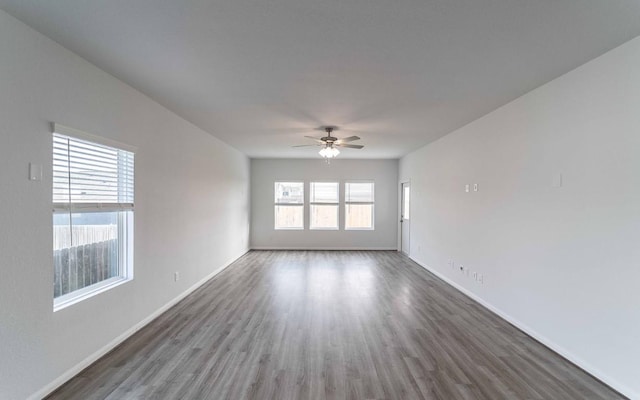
(261, 74)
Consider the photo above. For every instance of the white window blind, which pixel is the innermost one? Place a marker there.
(91, 176)
(359, 192)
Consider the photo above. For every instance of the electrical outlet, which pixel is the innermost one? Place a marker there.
(176, 276)
(475, 187)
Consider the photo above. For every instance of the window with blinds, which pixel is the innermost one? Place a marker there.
(93, 204)
(359, 205)
(323, 205)
(289, 205)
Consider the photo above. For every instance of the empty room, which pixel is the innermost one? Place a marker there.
(316, 200)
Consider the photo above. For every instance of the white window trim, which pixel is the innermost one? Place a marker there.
(125, 260)
(322, 203)
(78, 134)
(69, 299)
(372, 203)
(275, 204)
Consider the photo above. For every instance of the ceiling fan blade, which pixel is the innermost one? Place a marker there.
(315, 138)
(348, 139)
(351, 146)
(308, 145)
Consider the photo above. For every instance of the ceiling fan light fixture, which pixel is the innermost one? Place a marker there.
(329, 152)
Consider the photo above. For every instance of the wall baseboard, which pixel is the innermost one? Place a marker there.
(577, 361)
(311, 248)
(75, 370)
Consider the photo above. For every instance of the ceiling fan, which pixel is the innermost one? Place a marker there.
(330, 143)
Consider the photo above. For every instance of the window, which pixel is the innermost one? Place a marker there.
(405, 201)
(323, 205)
(358, 204)
(92, 215)
(289, 205)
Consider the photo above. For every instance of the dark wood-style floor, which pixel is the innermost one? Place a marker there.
(330, 325)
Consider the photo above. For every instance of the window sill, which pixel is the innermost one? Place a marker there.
(72, 298)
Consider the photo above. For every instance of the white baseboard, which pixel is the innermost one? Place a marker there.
(310, 248)
(597, 373)
(75, 370)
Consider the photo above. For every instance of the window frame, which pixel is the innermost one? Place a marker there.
(372, 203)
(125, 216)
(324, 203)
(277, 204)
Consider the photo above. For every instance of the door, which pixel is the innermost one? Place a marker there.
(405, 220)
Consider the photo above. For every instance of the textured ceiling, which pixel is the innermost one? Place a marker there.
(262, 74)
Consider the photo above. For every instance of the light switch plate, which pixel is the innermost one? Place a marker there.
(466, 188)
(35, 172)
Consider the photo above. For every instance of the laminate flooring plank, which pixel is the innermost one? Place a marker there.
(330, 325)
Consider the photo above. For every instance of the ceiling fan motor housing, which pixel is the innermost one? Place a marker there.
(329, 139)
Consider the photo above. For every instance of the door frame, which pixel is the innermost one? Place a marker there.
(402, 183)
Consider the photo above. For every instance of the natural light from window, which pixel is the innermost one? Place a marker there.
(289, 205)
(359, 205)
(323, 205)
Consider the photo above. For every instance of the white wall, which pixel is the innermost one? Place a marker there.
(264, 172)
(564, 263)
(191, 207)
